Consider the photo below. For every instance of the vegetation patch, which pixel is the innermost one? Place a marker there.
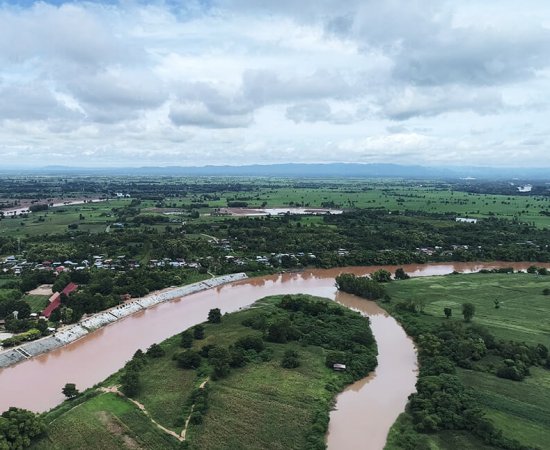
(266, 366)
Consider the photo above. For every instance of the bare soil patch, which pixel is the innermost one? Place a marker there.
(45, 289)
(114, 426)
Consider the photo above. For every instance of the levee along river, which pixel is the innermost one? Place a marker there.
(364, 412)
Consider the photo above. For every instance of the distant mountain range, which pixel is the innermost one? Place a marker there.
(332, 170)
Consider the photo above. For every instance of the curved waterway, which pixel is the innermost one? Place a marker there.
(364, 412)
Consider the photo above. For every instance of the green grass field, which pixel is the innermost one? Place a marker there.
(519, 409)
(165, 388)
(524, 313)
(410, 196)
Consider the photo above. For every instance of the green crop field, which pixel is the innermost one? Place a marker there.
(519, 409)
(37, 302)
(104, 422)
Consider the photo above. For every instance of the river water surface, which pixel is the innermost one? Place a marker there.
(364, 412)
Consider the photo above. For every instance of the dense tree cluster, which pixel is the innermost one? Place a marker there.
(104, 289)
(361, 286)
(18, 428)
(130, 383)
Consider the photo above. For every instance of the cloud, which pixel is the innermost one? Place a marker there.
(30, 102)
(69, 32)
(265, 86)
(429, 102)
(233, 81)
(200, 115)
(319, 112)
(111, 96)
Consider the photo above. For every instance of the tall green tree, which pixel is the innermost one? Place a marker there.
(70, 390)
(215, 315)
(468, 311)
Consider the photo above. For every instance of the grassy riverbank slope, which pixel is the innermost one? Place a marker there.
(519, 409)
(250, 400)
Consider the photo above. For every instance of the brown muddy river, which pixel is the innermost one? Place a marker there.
(364, 411)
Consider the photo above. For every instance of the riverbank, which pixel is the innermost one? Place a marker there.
(72, 333)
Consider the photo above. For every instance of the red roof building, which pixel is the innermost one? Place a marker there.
(55, 299)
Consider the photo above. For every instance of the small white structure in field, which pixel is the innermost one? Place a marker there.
(339, 367)
(466, 220)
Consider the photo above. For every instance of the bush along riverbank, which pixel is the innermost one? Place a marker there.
(262, 377)
(466, 372)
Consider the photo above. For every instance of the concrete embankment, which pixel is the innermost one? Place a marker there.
(74, 332)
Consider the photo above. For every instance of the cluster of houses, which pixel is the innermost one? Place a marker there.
(437, 250)
(269, 260)
(15, 265)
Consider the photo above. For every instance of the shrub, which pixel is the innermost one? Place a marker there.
(219, 358)
(237, 357)
(155, 351)
(290, 360)
(189, 359)
(400, 274)
(196, 418)
(186, 339)
(258, 322)
(198, 332)
(510, 373)
(204, 350)
(381, 276)
(250, 343)
(130, 383)
(215, 315)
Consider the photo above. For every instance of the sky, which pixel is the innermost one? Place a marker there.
(192, 83)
